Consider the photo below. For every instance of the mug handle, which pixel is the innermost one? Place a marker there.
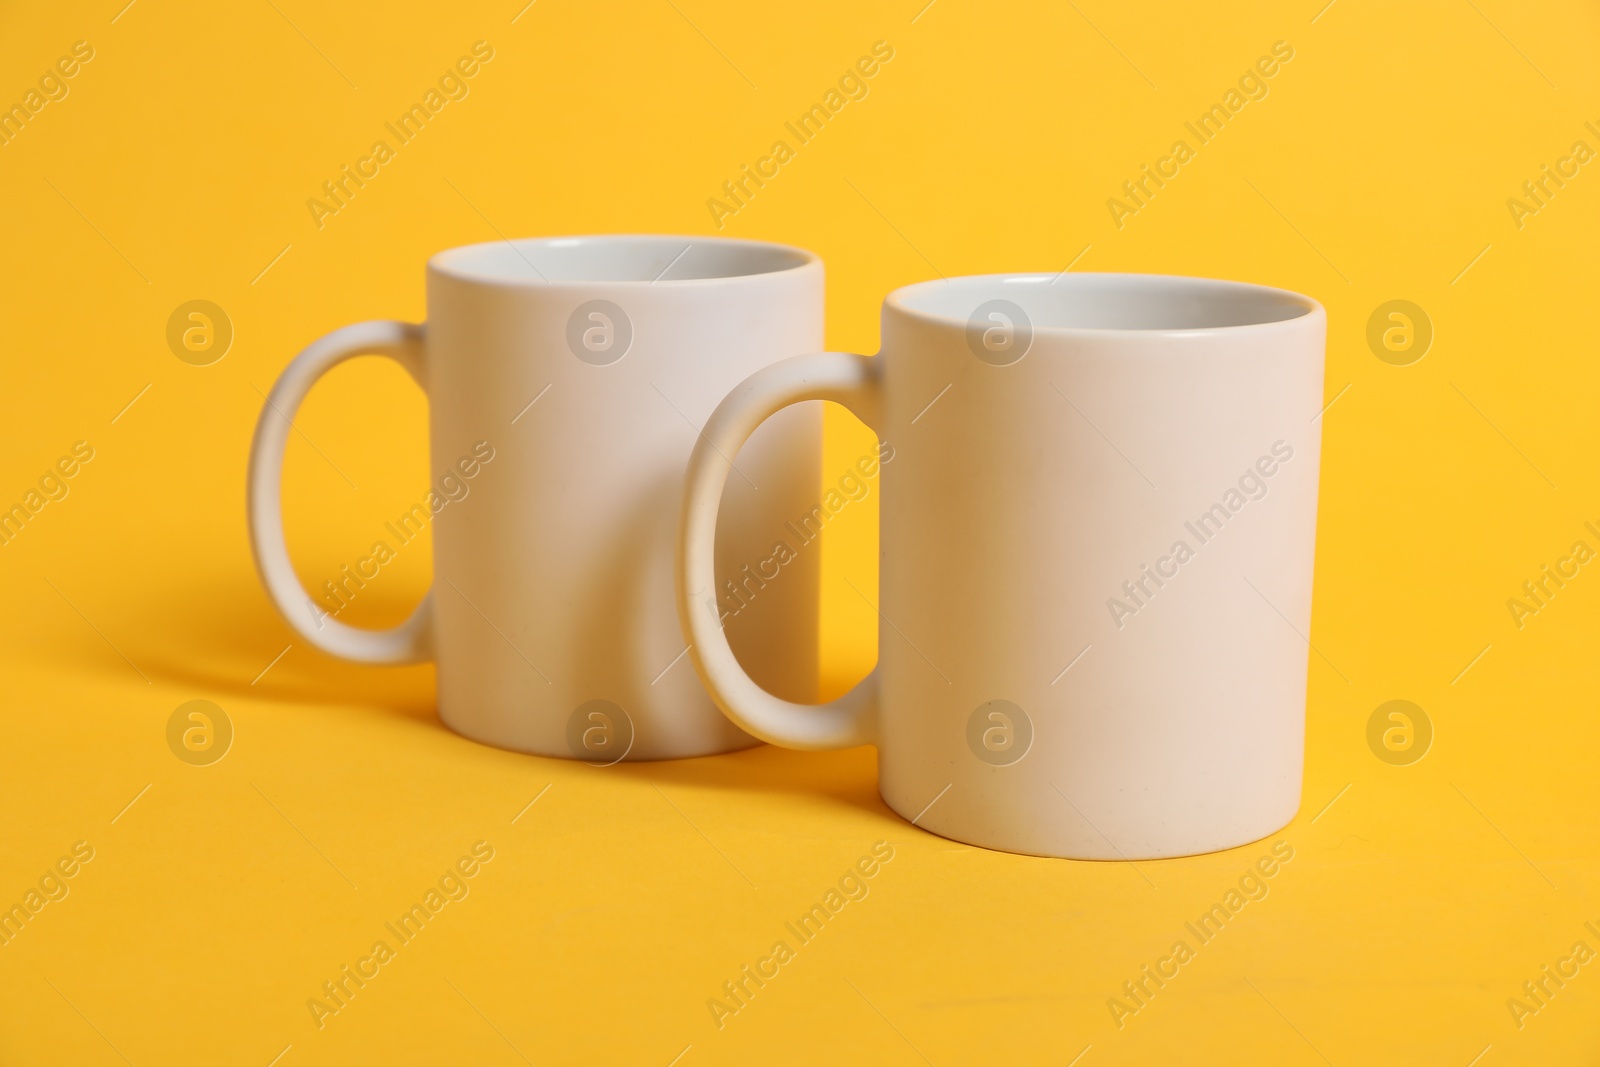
(850, 380)
(412, 640)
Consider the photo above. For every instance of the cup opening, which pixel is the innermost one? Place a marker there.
(645, 259)
(1107, 302)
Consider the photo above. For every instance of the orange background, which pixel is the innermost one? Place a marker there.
(178, 166)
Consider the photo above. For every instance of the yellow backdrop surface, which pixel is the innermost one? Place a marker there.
(1423, 152)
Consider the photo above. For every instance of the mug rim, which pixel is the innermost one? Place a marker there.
(457, 263)
(1310, 308)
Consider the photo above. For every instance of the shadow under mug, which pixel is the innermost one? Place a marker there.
(1096, 565)
(567, 379)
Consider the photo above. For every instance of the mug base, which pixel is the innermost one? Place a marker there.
(638, 750)
(1034, 841)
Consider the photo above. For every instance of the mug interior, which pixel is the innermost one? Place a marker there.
(648, 259)
(1122, 302)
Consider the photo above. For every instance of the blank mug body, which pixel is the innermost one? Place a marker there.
(1098, 529)
(567, 379)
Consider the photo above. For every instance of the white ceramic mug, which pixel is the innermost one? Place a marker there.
(1097, 538)
(567, 380)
